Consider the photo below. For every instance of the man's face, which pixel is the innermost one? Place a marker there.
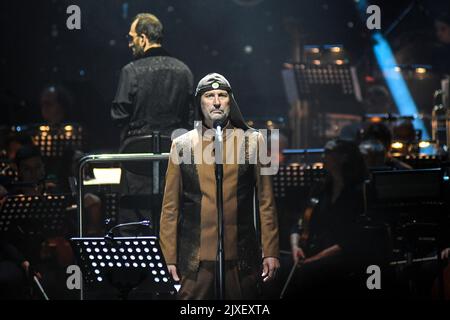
(52, 112)
(136, 42)
(215, 106)
(442, 32)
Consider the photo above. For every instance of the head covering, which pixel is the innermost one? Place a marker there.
(215, 81)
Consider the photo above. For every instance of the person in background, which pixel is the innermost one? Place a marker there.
(56, 104)
(325, 244)
(153, 98)
(375, 146)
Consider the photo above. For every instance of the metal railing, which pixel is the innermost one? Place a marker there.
(111, 158)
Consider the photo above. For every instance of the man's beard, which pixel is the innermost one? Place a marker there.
(138, 51)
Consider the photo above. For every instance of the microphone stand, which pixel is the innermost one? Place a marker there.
(220, 260)
(110, 234)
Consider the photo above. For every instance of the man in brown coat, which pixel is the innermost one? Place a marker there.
(188, 232)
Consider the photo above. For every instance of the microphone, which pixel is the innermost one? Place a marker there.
(218, 126)
(218, 141)
(220, 258)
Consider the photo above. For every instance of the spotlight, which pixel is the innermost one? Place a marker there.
(316, 62)
(335, 49)
(375, 119)
(397, 145)
(424, 144)
(421, 70)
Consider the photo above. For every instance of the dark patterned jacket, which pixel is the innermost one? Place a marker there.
(188, 232)
(154, 94)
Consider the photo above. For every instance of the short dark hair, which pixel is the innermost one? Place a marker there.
(27, 152)
(378, 131)
(149, 25)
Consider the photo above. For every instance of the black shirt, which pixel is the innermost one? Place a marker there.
(154, 94)
(335, 223)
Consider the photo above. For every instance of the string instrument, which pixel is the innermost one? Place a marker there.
(304, 238)
(305, 226)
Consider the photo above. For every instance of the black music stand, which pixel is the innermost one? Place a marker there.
(54, 141)
(292, 178)
(6, 170)
(414, 202)
(124, 262)
(44, 215)
(328, 80)
(320, 90)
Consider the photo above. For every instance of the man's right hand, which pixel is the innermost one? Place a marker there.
(173, 272)
(297, 253)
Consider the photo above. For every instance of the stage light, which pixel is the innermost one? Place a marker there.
(394, 80)
(375, 119)
(68, 128)
(315, 50)
(316, 62)
(421, 70)
(335, 49)
(339, 62)
(397, 69)
(397, 145)
(424, 144)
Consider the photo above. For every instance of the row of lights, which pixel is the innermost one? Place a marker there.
(419, 69)
(316, 52)
(331, 48)
(397, 145)
(67, 128)
(338, 62)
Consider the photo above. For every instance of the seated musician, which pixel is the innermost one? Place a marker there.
(324, 246)
(375, 146)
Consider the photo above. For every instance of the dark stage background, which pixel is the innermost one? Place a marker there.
(248, 41)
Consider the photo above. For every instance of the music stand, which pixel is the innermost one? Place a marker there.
(125, 262)
(35, 215)
(414, 203)
(315, 90)
(6, 170)
(291, 178)
(327, 81)
(53, 141)
(408, 187)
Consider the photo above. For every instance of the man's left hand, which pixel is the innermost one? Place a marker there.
(270, 267)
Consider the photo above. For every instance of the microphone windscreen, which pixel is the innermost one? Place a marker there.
(217, 123)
